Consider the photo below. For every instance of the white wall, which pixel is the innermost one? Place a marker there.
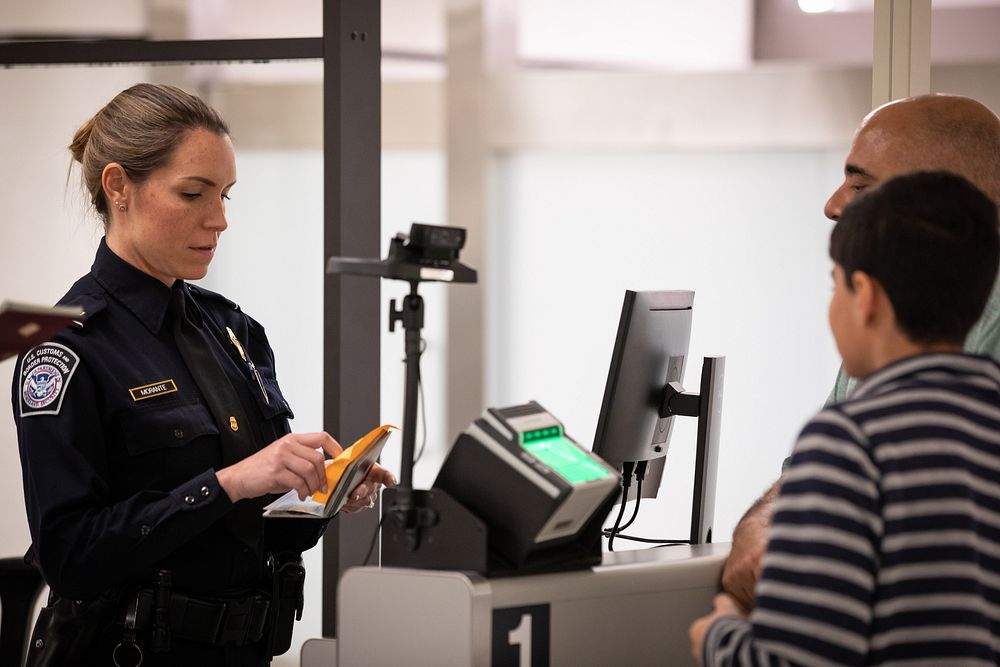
(413, 190)
(271, 262)
(47, 240)
(709, 34)
(571, 231)
(65, 17)
(744, 230)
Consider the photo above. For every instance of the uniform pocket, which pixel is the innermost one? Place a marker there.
(276, 405)
(167, 426)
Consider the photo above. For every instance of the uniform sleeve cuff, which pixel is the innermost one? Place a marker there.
(200, 492)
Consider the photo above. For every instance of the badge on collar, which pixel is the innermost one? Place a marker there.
(45, 374)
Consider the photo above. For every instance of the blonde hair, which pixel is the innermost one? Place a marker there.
(139, 130)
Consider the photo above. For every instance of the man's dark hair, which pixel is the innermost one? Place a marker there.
(931, 240)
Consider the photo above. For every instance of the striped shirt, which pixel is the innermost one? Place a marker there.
(885, 546)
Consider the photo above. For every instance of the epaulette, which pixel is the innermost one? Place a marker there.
(203, 293)
(92, 304)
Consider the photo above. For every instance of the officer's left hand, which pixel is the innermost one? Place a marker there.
(366, 494)
(724, 606)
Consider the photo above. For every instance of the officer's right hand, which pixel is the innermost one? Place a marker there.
(294, 461)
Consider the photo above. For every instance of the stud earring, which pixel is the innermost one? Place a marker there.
(121, 206)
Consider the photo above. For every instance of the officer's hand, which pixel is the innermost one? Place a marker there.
(294, 461)
(366, 494)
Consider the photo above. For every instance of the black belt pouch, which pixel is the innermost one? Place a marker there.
(286, 603)
(66, 631)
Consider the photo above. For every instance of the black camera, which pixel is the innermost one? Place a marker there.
(436, 238)
(427, 253)
(427, 245)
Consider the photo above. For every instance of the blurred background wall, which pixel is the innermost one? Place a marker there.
(589, 147)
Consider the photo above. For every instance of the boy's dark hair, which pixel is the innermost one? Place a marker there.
(931, 240)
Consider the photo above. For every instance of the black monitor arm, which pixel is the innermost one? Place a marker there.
(707, 407)
(676, 401)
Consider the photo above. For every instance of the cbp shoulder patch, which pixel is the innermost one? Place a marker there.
(45, 374)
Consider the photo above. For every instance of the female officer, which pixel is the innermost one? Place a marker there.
(152, 432)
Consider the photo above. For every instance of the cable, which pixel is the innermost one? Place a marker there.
(650, 540)
(371, 547)
(635, 510)
(640, 474)
(640, 470)
(614, 531)
(627, 468)
(420, 401)
(423, 409)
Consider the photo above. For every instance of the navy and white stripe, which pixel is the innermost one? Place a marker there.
(885, 546)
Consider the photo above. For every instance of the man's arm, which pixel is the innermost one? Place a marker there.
(742, 568)
(815, 591)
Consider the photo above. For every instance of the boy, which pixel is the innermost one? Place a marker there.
(885, 546)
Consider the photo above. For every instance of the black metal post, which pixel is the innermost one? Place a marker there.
(352, 226)
(402, 506)
(413, 322)
(103, 51)
(351, 52)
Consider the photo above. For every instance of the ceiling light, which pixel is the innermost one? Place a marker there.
(816, 6)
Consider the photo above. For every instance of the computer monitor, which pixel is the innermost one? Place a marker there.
(644, 393)
(650, 351)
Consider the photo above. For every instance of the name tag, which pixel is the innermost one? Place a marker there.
(155, 389)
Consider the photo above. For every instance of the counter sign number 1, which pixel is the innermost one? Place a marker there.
(521, 636)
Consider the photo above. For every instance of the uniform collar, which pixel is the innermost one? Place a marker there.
(142, 294)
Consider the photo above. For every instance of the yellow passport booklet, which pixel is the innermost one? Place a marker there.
(343, 474)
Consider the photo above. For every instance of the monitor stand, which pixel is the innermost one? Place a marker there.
(706, 405)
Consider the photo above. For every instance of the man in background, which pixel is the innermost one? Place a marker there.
(882, 549)
(924, 133)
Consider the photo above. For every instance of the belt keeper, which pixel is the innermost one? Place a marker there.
(127, 653)
(161, 613)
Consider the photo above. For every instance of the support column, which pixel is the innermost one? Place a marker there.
(901, 64)
(351, 304)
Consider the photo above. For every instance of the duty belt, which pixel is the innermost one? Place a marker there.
(217, 621)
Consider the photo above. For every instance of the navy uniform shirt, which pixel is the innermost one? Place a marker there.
(119, 450)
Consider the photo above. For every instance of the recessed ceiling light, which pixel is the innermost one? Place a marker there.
(816, 6)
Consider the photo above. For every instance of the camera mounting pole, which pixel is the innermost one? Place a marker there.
(429, 253)
(412, 317)
(405, 511)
